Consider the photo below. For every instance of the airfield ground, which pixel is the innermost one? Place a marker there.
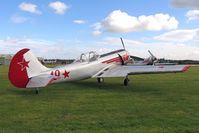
(162, 103)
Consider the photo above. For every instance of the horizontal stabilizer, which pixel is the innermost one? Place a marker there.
(40, 81)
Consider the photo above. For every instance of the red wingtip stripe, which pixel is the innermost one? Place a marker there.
(186, 68)
(17, 76)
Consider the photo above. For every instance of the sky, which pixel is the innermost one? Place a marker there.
(66, 28)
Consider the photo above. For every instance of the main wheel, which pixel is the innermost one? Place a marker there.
(100, 80)
(126, 81)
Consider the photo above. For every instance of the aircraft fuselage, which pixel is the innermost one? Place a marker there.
(86, 69)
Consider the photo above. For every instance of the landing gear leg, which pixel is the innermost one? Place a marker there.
(126, 81)
(100, 80)
(37, 90)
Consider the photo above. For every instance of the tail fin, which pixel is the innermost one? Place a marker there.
(23, 66)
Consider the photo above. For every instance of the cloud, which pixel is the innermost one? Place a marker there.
(167, 50)
(192, 14)
(29, 7)
(58, 7)
(118, 21)
(18, 43)
(96, 33)
(63, 49)
(45, 48)
(179, 35)
(78, 21)
(18, 19)
(97, 29)
(113, 40)
(185, 3)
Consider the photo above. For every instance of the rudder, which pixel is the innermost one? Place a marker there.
(23, 66)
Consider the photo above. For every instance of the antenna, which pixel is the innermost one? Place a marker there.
(122, 43)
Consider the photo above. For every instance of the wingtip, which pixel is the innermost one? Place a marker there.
(186, 68)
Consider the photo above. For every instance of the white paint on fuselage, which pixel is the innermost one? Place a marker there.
(85, 70)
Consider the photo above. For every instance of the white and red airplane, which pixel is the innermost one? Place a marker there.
(26, 71)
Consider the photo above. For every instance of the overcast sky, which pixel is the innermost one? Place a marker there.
(64, 29)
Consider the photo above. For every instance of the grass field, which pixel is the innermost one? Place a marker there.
(162, 103)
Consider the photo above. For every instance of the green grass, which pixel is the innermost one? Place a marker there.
(162, 103)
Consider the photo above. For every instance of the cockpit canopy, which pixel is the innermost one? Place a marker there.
(88, 57)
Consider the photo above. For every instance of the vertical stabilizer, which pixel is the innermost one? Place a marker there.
(23, 66)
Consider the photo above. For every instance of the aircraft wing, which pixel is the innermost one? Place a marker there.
(122, 71)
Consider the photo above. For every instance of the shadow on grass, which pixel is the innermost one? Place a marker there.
(94, 85)
(110, 85)
(113, 86)
(22, 92)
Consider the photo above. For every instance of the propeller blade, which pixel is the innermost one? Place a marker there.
(122, 61)
(122, 43)
(155, 58)
(150, 53)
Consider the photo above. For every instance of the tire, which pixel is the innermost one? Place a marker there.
(100, 80)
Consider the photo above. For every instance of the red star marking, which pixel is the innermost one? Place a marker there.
(24, 64)
(66, 74)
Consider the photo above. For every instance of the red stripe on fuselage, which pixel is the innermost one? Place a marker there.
(116, 59)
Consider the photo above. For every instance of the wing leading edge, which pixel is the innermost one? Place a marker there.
(122, 71)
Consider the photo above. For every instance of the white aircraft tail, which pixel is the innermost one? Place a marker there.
(24, 65)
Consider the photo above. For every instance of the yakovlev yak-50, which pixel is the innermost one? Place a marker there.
(26, 71)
